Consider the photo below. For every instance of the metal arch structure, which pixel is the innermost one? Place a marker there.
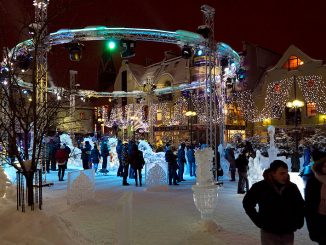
(98, 33)
(41, 59)
(213, 52)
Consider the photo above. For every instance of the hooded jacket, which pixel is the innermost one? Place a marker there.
(281, 210)
(312, 200)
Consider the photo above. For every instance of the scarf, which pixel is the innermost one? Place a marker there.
(322, 204)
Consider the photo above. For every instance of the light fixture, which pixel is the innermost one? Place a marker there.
(24, 61)
(75, 51)
(191, 113)
(204, 30)
(127, 48)
(295, 104)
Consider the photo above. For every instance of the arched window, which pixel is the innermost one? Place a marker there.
(293, 63)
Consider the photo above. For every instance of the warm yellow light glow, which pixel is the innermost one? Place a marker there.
(267, 121)
(295, 104)
(190, 113)
(289, 104)
(298, 103)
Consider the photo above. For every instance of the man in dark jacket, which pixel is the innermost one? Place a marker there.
(281, 206)
(181, 160)
(315, 196)
(171, 159)
(105, 152)
(242, 165)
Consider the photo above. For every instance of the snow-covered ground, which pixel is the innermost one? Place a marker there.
(129, 215)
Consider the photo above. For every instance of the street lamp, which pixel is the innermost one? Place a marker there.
(191, 114)
(101, 122)
(295, 104)
(133, 119)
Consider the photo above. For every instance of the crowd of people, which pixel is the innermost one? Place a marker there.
(281, 208)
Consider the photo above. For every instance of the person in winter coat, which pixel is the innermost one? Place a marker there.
(315, 200)
(119, 153)
(105, 152)
(67, 149)
(229, 155)
(242, 165)
(125, 163)
(171, 159)
(281, 206)
(181, 160)
(95, 157)
(86, 155)
(131, 145)
(52, 149)
(137, 163)
(191, 160)
(61, 157)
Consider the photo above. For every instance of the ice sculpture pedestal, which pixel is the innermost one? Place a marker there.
(205, 191)
(205, 198)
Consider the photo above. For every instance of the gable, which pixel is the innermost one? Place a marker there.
(292, 59)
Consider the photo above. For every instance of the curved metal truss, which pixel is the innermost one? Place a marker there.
(179, 37)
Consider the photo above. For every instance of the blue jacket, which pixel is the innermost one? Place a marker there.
(95, 155)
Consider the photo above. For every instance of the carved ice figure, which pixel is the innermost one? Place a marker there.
(75, 154)
(255, 172)
(113, 160)
(155, 164)
(272, 151)
(225, 165)
(204, 162)
(4, 182)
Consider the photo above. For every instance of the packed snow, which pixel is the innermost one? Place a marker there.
(129, 215)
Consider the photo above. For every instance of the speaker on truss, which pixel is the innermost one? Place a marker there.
(75, 51)
(204, 30)
(127, 48)
(186, 52)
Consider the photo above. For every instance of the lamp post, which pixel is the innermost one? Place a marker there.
(295, 104)
(190, 115)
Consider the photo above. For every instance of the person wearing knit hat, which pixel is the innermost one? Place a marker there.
(315, 200)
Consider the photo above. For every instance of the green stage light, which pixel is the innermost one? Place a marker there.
(111, 45)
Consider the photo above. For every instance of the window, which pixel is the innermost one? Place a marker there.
(293, 63)
(311, 109)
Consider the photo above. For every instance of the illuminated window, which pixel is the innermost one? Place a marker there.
(311, 109)
(159, 115)
(293, 63)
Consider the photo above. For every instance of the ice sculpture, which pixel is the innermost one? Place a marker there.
(225, 165)
(256, 169)
(156, 168)
(4, 182)
(74, 158)
(205, 191)
(272, 151)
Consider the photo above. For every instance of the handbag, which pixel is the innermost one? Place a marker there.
(220, 172)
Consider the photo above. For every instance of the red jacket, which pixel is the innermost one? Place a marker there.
(61, 156)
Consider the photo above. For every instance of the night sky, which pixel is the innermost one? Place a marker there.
(271, 24)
